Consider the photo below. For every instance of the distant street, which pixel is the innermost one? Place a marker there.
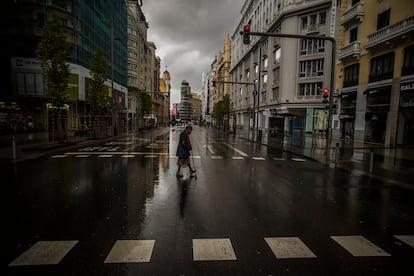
(117, 208)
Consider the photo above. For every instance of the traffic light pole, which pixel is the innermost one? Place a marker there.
(332, 88)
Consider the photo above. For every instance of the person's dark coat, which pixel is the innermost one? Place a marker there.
(184, 146)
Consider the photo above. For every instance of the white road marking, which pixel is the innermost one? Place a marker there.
(298, 159)
(258, 158)
(127, 155)
(59, 156)
(213, 250)
(237, 150)
(82, 155)
(359, 246)
(210, 149)
(44, 253)
(278, 159)
(406, 239)
(216, 157)
(289, 247)
(105, 155)
(238, 157)
(131, 251)
(150, 156)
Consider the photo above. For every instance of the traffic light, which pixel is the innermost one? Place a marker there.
(325, 95)
(334, 108)
(246, 34)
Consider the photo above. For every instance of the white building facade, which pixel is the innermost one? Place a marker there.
(286, 76)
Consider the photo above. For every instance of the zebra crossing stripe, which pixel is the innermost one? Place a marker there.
(82, 155)
(59, 156)
(406, 239)
(289, 247)
(131, 251)
(278, 159)
(213, 250)
(238, 157)
(105, 155)
(128, 156)
(258, 158)
(359, 246)
(44, 253)
(216, 157)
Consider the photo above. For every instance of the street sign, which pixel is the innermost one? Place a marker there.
(254, 93)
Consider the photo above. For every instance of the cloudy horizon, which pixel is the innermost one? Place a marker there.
(188, 35)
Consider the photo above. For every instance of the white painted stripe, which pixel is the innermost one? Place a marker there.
(105, 155)
(298, 159)
(216, 157)
(59, 156)
(238, 157)
(258, 158)
(82, 155)
(278, 159)
(289, 247)
(359, 246)
(408, 239)
(131, 251)
(128, 156)
(237, 150)
(210, 149)
(213, 250)
(44, 253)
(150, 156)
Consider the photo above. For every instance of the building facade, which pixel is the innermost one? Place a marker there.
(185, 106)
(284, 76)
(375, 74)
(88, 25)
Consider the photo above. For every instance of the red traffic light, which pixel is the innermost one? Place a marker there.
(325, 90)
(247, 28)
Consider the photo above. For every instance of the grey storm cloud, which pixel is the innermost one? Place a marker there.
(188, 35)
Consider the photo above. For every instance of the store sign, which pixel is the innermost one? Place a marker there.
(407, 87)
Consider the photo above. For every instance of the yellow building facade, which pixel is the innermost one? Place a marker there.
(375, 72)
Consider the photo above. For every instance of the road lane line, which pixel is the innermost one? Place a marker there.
(237, 150)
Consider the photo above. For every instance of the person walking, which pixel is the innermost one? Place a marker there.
(183, 151)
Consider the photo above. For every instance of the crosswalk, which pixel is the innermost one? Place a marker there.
(122, 154)
(212, 249)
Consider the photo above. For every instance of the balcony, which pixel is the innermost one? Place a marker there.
(350, 51)
(390, 33)
(354, 14)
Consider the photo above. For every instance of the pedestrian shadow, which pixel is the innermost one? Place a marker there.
(184, 186)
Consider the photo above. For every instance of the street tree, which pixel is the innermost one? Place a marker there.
(98, 92)
(51, 51)
(220, 110)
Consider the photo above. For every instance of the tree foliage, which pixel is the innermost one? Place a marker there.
(146, 102)
(98, 92)
(52, 54)
(222, 108)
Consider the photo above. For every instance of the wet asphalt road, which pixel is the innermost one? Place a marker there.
(244, 194)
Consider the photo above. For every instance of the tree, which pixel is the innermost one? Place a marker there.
(220, 109)
(98, 92)
(52, 54)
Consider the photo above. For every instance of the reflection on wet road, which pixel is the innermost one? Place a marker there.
(116, 208)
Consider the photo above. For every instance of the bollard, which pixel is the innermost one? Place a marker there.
(14, 147)
(371, 162)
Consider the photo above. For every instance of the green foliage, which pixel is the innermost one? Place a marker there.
(98, 92)
(52, 54)
(222, 108)
(146, 103)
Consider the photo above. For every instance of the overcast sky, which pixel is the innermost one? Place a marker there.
(188, 35)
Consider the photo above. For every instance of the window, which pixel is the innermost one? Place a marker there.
(275, 93)
(264, 79)
(382, 67)
(322, 18)
(408, 66)
(265, 63)
(383, 19)
(310, 89)
(276, 75)
(311, 68)
(353, 34)
(247, 75)
(278, 53)
(312, 46)
(351, 75)
(304, 24)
